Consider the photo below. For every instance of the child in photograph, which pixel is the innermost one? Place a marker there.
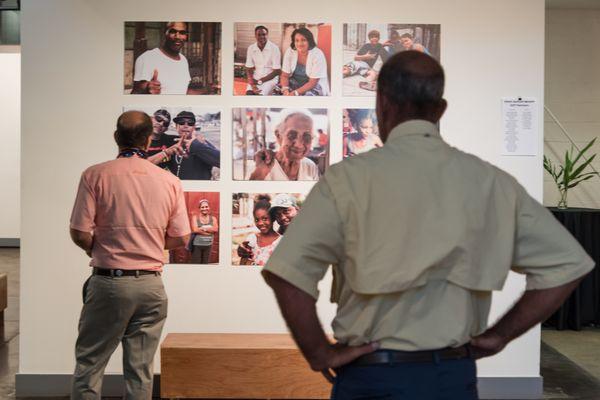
(363, 137)
(204, 227)
(262, 243)
(365, 58)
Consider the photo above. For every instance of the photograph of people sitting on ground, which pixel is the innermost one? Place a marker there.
(185, 141)
(203, 247)
(368, 46)
(282, 59)
(259, 222)
(278, 144)
(172, 57)
(360, 131)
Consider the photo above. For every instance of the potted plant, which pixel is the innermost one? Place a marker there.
(569, 174)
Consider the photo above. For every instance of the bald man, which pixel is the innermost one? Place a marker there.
(124, 300)
(164, 70)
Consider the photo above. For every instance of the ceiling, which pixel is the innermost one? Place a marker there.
(573, 4)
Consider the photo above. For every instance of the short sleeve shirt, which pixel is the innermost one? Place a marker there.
(421, 230)
(173, 75)
(263, 61)
(129, 204)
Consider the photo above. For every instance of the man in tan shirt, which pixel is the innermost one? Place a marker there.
(419, 234)
(127, 212)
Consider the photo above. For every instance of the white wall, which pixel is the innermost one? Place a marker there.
(10, 137)
(72, 82)
(573, 95)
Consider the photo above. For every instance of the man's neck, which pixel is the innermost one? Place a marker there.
(261, 47)
(169, 53)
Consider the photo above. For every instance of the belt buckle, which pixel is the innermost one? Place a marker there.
(119, 272)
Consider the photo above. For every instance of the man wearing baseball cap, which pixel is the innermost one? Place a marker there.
(199, 155)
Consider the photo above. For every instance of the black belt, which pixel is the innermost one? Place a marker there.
(116, 273)
(395, 356)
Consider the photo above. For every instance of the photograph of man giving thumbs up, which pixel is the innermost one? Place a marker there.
(175, 63)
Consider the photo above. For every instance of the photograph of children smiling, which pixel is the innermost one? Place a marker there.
(259, 222)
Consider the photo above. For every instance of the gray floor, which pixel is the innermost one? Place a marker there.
(570, 360)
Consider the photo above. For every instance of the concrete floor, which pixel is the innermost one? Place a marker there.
(570, 361)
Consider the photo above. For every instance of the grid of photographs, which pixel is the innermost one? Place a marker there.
(278, 148)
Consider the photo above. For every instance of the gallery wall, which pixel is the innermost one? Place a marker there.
(10, 137)
(73, 85)
(572, 95)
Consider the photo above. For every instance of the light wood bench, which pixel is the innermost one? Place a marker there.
(237, 366)
(3, 295)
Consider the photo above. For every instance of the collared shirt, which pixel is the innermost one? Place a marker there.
(129, 204)
(263, 61)
(419, 235)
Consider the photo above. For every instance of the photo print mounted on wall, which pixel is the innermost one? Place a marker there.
(360, 131)
(259, 222)
(185, 140)
(204, 215)
(280, 144)
(172, 58)
(285, 59)
(368, 46)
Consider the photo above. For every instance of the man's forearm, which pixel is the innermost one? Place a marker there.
(534, 307)
(300, 314)
(84, 240)
(175, 242)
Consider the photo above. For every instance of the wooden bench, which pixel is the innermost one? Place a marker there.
(237, 366)
(3, 295)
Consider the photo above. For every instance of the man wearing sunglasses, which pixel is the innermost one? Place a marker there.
(164, 70)
(199, 155)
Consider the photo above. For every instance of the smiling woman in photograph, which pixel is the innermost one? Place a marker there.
(304, 67)
(290, 162)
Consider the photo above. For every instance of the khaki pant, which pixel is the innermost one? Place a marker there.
(128, 310)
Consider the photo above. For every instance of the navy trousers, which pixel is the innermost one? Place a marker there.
(441, 380)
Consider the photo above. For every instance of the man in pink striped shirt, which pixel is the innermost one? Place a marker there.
(127, 212)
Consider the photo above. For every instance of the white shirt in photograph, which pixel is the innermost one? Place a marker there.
(263, 61)
(308, 171)
(173, 75)
(316, 66)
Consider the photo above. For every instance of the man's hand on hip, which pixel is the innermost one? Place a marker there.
(339, 355)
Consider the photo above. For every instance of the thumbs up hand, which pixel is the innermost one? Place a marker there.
(154, 84)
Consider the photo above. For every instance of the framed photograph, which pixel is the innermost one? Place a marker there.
(280, 144)
(194, 133)
(203, 247)
(282, 59)
(172, 58)
(259, 222)
(368, 46)
(360, 131)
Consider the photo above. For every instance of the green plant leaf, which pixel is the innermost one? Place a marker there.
(580, 169)
(572, 185)
(590, 144)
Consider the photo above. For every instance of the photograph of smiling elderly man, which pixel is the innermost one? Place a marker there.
(172, 57)
(275, 144)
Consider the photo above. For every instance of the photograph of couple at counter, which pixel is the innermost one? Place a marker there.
(282, 59)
